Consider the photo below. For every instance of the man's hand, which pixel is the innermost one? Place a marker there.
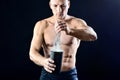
(61, 25)
(49, 65)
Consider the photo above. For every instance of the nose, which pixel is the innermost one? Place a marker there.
(59, 9)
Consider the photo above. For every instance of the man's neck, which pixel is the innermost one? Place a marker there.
(54, 18)
(60, 18)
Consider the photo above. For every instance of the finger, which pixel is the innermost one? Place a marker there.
(59, 30)
(52, 65)
(51, 68)
(60, 26)
(61, 23)
(50, 71)
(50, 60)
(63, 26)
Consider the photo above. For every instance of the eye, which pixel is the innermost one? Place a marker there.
(55, 5)
(63, 6)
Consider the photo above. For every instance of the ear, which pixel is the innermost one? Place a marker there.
(68, 3)
(50, 4)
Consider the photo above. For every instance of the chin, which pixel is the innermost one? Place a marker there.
(61, 17)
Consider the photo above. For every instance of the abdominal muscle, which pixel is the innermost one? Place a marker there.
(69, 57)
(68, 61)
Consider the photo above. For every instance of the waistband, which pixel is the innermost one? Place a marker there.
(72, 71)
(64, 75)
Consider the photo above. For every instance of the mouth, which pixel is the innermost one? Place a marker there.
(60, 15)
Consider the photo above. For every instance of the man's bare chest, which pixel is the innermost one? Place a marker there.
(50, 35)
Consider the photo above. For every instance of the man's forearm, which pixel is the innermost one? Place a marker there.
(37, 58)
(83, 34)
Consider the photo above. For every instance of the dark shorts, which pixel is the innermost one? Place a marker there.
(66, 75)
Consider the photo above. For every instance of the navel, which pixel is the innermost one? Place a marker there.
(68, 56)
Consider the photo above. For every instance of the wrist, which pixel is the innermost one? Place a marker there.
(68, 32)
(42, 61)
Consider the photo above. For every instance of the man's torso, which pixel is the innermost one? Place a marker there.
(69, 44)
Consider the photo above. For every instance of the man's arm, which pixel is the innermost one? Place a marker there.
(82, 31)
(35, 47)
(36, 44)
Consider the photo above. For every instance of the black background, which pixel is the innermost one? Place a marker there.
(99, 60)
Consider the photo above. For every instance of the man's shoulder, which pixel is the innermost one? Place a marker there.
(76, 20)
(41, 25)
(41, 22)
(44, 21)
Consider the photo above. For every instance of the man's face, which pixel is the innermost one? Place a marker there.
(59, 8)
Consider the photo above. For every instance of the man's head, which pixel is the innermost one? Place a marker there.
(59, 7)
